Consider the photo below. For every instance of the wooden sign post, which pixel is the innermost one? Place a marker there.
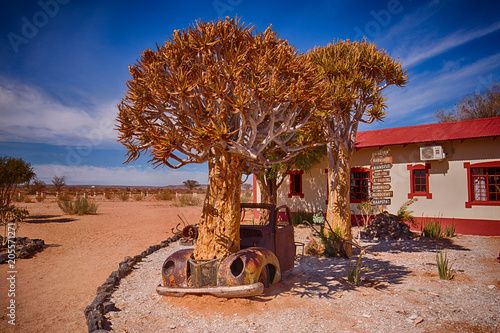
(381, 163)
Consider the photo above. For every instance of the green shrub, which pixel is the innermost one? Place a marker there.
(332, 242)
(449, 231)
(138, 197)
(404, 213)
(354, 273)
(432, 229)
(300, 216)
(108, 195)
(444, 269)
(80, 206)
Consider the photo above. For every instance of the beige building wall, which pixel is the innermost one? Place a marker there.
(447, 180)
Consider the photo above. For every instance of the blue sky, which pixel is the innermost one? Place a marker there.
(64, 67)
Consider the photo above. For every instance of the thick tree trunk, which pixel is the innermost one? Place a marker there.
(338, 212)
(268, 189)
(219, 231)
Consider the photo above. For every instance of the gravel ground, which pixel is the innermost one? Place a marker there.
(401, 292)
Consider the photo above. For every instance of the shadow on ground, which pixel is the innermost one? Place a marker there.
(48, 219)
(316, 276)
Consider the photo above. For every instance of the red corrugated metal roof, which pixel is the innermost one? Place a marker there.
(456, 130)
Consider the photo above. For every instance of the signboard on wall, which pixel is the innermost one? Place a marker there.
(381, 164)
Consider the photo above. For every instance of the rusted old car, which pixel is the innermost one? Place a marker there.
(267, 250)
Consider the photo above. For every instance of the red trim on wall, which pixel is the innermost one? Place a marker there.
(463, 226)
(292, 193)
(425, 167)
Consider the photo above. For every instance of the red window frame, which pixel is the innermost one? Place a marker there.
(359, 185)
(417, 181)
(296, 183)
(488, 183)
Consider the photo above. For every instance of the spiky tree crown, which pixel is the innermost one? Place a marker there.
(218, 85)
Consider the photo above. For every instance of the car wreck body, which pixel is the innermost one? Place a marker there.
(267, 250)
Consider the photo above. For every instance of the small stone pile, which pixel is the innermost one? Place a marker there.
(25, 248)
(387, 226)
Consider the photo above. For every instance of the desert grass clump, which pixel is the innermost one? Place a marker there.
(187, 200)
(165, 195)
(432, 230)
(123, 196)
(312, 248)
(80, 206)
(354, 273)
(138, 197)
(449, 231)
(444, 268)
(300, 216)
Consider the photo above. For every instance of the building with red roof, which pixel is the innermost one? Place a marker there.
(453, 169)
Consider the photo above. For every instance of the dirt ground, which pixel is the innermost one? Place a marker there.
(54, 287)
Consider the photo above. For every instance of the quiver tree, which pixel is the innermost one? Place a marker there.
(222, 93)
(355, 75)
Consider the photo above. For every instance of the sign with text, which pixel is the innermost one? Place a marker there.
(383, 152)
(381, 159)
(381, 163)
(382, 166)
(376, 202)
(381, 187)
(381, 180)
(385, 194)
(381, 173)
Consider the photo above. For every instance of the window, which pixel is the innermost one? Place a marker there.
(296, 184)
(419, 181)
(360, 184)
(483, 182)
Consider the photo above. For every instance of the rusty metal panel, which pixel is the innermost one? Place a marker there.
(246, 267)
(175, 269)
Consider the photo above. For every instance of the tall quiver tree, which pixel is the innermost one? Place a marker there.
(222, 93)
(355, 74)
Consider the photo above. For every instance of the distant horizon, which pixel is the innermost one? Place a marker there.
(65, 67)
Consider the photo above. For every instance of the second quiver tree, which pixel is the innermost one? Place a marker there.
(355, 74)
(224, 94)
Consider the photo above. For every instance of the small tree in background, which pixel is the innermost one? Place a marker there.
(191, 184)
(355, 73)
(59, 182)
(222, 93)
(13, 172)
(482, 104)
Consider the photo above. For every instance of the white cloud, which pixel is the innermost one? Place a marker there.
(426, 91)
(29, 115)
(126, 175)
(428, 49)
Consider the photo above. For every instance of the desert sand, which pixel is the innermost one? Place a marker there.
(401, 291)
(54, 287)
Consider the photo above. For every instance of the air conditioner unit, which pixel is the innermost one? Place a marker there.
(431, 153)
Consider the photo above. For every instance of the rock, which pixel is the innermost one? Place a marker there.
(418, 320)
(386, 226)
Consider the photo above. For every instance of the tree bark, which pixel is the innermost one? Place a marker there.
(338, 212)
(219, 230)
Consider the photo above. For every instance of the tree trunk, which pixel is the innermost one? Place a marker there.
(219, 230)
(338, 212)
(268, 189)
